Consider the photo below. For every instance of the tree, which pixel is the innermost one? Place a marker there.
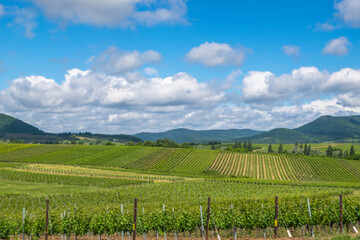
(185, 145)
(212, 146)
(305, 149)
(352, 151)
(280, 150)
(245, 145)
(308, 150)
(296, 144)
(346, 154)
(249, 148)
(129, 143)
(149, 143)
(301, 146)
(239, 144)
(329, 151)
(270, 150)
(340, 153)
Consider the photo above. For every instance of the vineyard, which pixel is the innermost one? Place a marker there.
(188, 162)
(91, 190)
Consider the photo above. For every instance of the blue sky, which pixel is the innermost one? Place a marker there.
(153, 65)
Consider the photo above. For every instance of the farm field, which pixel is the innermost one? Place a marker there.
(91, 190)
(263, 148)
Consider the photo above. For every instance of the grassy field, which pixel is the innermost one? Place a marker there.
(97, 180)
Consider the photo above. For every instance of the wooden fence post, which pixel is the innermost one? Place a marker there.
(276, 217)
(135, 216)
(47, 219)
(341, 214)
(208, 219)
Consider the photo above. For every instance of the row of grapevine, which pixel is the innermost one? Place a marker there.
(247, 216)
(11, 174)
(286, 167)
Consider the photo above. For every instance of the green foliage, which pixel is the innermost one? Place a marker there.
(352, 151)
(329, 151)
(110, 144)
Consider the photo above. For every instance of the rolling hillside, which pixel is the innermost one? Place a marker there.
(329, 128)
(325, 128)
(12, 126)
(189, 162)
(281, 135)
(203, 136)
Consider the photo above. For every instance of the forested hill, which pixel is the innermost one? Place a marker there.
(181, 135)
(10, 125)
(325, 128)
(15, 129)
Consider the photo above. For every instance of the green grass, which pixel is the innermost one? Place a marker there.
(37, 189)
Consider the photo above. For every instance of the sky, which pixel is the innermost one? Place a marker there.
(128, 66)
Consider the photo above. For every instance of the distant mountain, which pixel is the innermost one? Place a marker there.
(329, 128)
(181, 135)
(325, 128)
(280, 135)
(12, 128)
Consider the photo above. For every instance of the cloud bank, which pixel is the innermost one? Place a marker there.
(129, 103)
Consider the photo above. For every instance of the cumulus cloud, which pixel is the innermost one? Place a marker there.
(131, 102)
(264, 89)
(291, 50)
(351, 99)
(345, 80)
(348, 11)
(114, 61)
(338, 46)
(216, 54)
(115, 13)
(114, 97)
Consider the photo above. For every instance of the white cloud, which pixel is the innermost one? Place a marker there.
(348, 11)
(151, 72)
(345, 80)
(338, 46)
(114, 61)
(115, 13)
(264, 89)
(114, 100)
(216, 54)
(130, 103)
(324, 26)
(174, 14)
(350, 99)
(291, 50)
(230, 79)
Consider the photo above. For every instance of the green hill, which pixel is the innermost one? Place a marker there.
(280, 135)
(12, 126)
(325, 128)
(181, 135)
(329, 128)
